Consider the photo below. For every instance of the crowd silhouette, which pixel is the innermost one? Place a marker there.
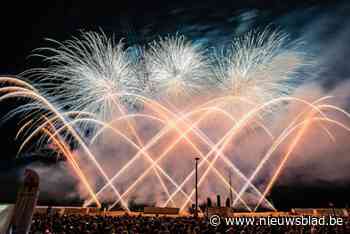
(88, 224)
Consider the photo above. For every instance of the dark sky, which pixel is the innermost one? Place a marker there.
(24, 27)
(321, 23)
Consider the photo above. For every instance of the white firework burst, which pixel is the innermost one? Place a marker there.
(177, 67)
(259, 66)
(88, 74)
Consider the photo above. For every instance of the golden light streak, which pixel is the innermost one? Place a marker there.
(200, 135)
(35, 96)
(305, 126)
(251, 114)
(124, 137)
(66, 152)
(278, 141)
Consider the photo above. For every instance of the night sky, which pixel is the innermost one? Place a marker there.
(324, 25)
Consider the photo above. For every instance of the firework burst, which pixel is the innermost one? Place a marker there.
(88, 74)
(259, 66)
(177, 67)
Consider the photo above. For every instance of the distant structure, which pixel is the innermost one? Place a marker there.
(230, 182)
(218, 200)
(161, 210)
(196, 187)
(208, 202)
(25, 204)
(228, 203)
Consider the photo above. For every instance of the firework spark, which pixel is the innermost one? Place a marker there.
(260, 66)
(84, 74)
(176, 67)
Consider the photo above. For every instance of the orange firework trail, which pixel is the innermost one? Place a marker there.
(278, 141)
(149, 144)
(203, 138)
(47, 104)
(140, 143)
(235, 129)
(296, 141)
(168, 150)
(128, 140)
(66, 152)
(291, 148)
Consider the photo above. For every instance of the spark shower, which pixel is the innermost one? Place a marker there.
(130, 121)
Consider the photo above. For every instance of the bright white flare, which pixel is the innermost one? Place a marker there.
(88, 74)
(259, 66)
(176, 67)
